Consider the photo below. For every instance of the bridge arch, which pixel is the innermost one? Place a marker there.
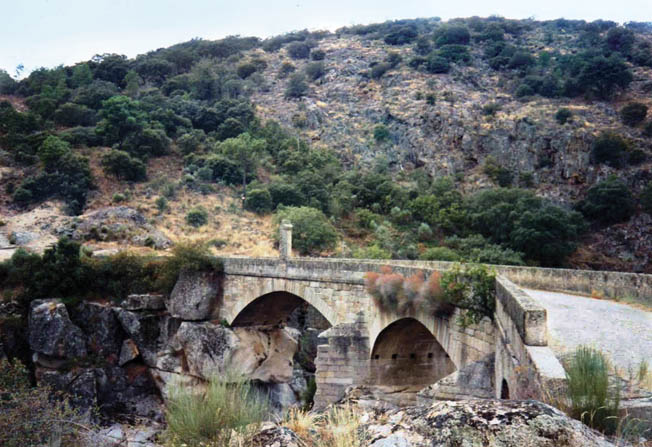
(406, 353)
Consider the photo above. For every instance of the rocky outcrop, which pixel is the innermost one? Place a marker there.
(145, 301)
(51, 332)
(194, 296)
(104, 332)
(487, 423)
(274, 436)
(472, 381)
(116, 223)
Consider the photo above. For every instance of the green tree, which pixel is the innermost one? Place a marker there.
(608, 202)
(52, 150)
(81, 75)
(601, 76)
(297, 86)
(132, 81)
(197, 217)
(120, 116)
(123, 166)
(609, 148)
(312, 232)
(245, 150)
(259, 201)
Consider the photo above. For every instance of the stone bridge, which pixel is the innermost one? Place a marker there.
(400, 354)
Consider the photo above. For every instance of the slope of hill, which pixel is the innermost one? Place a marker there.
(392, 130)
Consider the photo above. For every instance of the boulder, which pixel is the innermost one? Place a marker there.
(150, 331)
(102, 328)
(128, 352)
(80, 384)
(472, 381)
(274, 436)
(194, 296)
(129, 390)
(480, 422)
(207, 348)
(143, 302)
(51, 332)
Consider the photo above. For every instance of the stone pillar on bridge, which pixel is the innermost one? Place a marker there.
(285, 243)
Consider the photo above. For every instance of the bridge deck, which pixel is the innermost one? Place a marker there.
(621, 331)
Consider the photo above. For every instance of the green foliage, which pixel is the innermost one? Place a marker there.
(34, 416)
(70, 115)
(315, 70)
(524, 222)
(296, 86)
(317, 55)
(52, 150)
(473, 288)
(401, 35)
(608, 202)
(633, 114)
(647, 130)
(498, 173)
(123, 166)
(454, 53)
(609, 148)
(7, 83)
(312, 232)
(191, 256)
(120, 116)
(378, 70)
(225, 410)
(197, 217)
(298, 50)
(592, 400)
(524, 90)
(490, 109)
(440, 254)
(286, 69)
(601, 76)
(563, 115)
(372, 252)
(245, 70)
(381, 133)
(475, 248)
(437, 64)
(452, 35)
(259, 201)
(161, 204)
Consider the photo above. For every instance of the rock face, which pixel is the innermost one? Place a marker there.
(472, 381)
(194, 296)
(52, 333)
(486, 423)
(103, 328)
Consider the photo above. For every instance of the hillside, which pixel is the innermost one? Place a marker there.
(401, 134)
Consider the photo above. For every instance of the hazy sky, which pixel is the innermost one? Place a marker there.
(51, 32)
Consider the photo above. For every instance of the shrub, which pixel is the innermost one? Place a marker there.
(647, 130)
(381, 133)
(296, 87)
(191, 256)
(393, 59)
(34, 416)
(259, 201)
(437, 64)
(431, 98)
(315, 70)
(71, 115)
(123, 166)
(600, 76)
(440, 254)
(563, 115)
(608, 202)
(452, 35)
(378, 70)
(298, 50)
(455, 53)
(471, 287)
(317, 55)
(633, 114)
(372, 252)
(246, 70)
(490, 109)
(646, 199)
(161, 204)
(592, 401)
(225, 412)
(197, 217)
(285, 70)
(521, 60)
(524, 90)
(401, 35)
(499, 174)
(609, 148)
(312, 231)
(52, 150)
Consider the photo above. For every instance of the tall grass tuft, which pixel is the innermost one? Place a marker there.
(341, 428)
(592, 400)
(228, 409)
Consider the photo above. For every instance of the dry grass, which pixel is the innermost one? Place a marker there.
(338, 427)
(301, 422)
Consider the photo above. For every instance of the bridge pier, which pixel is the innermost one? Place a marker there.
(342, 362)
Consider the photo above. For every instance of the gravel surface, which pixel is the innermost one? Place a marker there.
(621, 331)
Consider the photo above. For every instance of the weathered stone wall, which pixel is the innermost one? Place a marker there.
(523, 361)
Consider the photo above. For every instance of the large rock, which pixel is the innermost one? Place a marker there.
(79, 384)
(52, 333)
(102, 328)
(150, 331)
(145, 301)
(259, 353)
(472, 381)
(486, 423)
(129, 390)
(194, 296)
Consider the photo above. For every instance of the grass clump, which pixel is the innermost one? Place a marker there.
(229, 409)
(338, 427)
(591, 399)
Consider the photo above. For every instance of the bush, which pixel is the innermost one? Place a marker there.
(71, 115)
(124, 166)
(296, 87)
(608, 202)
(312, 233)
(563, 115)
(381, 133)
(524, 90)
(646, 199)
(437, 64)
(647, 130)
(455, 53)
(317, 55)
(401, 35)
(259, 201)
(226, 412)
(601, 76)
(393, 59)
(452, 35)
(521, 60)
(609, 148)
(285, 70)
(592, 401)
(378, 70)
(246, 70)
(298, 50)
(490, 109)
(197, 217)
(315, 70)
(52, 150)
(440, 254)
(633, 114)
